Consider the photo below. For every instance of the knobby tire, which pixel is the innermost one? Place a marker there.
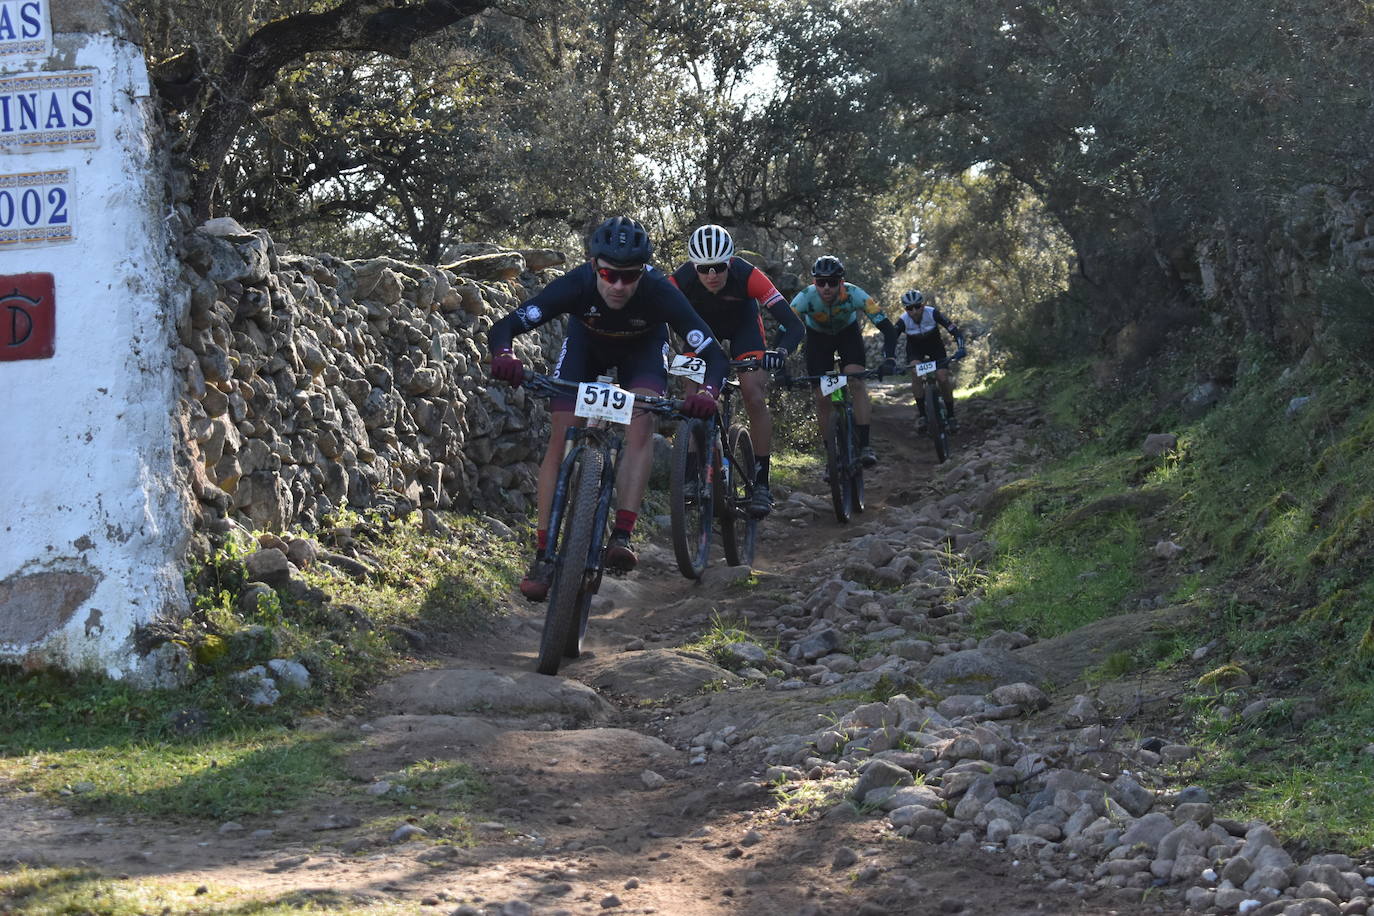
(935, 423)
(691, 523)
(571, 592)
(838, 462)
(739, 529)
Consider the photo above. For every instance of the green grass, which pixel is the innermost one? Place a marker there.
(1045, 586)
(1274, 514)
(64, 891)
(795, 469)
(723, 633)
(199, 751)
(105, 746)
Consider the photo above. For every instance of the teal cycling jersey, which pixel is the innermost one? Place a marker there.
(831, 319)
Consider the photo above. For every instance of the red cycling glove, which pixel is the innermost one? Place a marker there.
(700, 405)
(508, 368)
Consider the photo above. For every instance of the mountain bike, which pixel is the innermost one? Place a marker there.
(581, 506)
(712, 478)
(931, 405)
(843, 466)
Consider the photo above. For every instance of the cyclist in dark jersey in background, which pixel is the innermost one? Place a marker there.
(728, 292)
(921, 324)
(830, 308)
(620, 309)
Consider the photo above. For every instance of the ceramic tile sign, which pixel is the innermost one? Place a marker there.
(36, 208)
(28, 316)
(44, 111)
(25, 29)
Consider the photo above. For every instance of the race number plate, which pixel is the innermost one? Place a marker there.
(833, 383)
(599, 401)
(925, 368)
(692, 367)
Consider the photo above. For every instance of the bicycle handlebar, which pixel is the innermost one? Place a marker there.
(546, 386)
(815, 379)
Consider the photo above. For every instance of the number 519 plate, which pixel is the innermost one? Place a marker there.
(600, 401)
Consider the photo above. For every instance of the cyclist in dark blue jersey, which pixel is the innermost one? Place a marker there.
(620, 310)
(730, 294)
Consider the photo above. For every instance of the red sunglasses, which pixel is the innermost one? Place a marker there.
(625, 275)
(827, 281)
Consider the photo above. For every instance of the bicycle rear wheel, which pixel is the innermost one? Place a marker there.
(738, 529)
(838, 462)
(691, 498)
(571, 591)
(935, 423)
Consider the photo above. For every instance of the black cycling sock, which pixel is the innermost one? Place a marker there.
(761, 462)
(949, 407)
(863, 434)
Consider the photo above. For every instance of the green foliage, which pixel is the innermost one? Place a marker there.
(715, 642)
(198, 751)
(176, 753)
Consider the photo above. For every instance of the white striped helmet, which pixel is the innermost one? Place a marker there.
(710, 244)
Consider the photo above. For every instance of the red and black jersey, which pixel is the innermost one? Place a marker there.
(746, 289)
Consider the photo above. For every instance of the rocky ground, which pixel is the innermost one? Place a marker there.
(863, 754)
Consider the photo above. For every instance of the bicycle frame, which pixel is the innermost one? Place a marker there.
(597, 435)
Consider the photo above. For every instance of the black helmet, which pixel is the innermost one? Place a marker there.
(912, 298)
(621, 240)
(827, 265)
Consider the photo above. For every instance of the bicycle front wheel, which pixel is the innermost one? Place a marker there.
(738, 528)
(571, 591)
(838, 464)
(935, 423)
(691, 496)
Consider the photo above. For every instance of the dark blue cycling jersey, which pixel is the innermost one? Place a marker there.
(655, 302)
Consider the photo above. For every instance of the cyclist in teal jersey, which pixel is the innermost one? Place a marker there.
(830, 309)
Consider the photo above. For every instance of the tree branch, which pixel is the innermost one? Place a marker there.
(354, 25)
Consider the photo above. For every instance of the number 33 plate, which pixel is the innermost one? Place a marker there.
(600, 401)
(831, 383)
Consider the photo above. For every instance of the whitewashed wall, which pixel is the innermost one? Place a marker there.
(92, 520)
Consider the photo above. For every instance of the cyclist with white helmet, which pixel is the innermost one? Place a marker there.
(830, 309)
(620, 309)
(729, 293)
(921, 324)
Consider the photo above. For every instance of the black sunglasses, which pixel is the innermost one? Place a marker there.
(827, 281)
(626, 275)
(720, 268)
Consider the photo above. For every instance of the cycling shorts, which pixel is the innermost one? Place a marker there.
(744, 330)
(922, 348)
(822, 347)
(639, 362)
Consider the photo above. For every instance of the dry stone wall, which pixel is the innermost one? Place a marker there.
(1260, 268)
(314, 384)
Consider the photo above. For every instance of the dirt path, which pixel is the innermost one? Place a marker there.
(598, 800)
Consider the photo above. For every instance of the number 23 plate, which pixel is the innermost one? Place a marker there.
(599, 401)
(692, 367)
